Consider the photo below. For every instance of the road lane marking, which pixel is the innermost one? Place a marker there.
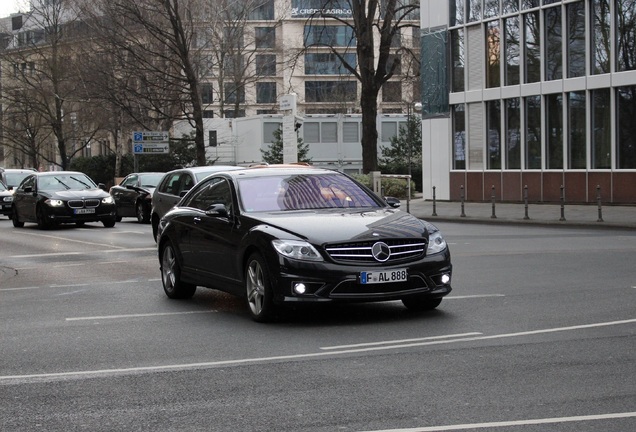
(512, 423)
(105, 317)
(55, 254)
(290, 357)
(473, 296)
(72, 240)
(399, 341)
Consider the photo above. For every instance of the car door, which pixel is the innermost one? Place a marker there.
(125, 198)
(215, 238)
(167, 194)
(25, 199)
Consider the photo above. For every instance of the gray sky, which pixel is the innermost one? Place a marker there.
(7, 7)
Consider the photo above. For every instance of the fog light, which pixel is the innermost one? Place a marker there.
(445, 279)
(300, 288)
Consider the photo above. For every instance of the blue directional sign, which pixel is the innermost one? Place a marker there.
(151, 142)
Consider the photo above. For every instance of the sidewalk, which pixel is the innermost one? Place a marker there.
(613, 216)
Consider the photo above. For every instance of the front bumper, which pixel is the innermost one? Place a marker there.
(68, 215)
(331, 282)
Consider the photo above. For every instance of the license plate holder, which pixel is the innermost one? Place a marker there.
(84, 211)
(384, 276)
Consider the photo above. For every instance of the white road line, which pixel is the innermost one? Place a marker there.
(72, 240)
(399, 341)
(120, 250)
(181, 367)
(452, 297)
(515, 423)
(20, 289)
(105, 317)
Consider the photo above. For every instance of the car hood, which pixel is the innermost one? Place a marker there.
(329, 226)
(77, 194)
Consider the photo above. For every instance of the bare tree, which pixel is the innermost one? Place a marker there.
(42, 92)
(374, 24)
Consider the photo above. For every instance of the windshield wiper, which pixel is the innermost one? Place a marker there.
(86, 185)
(62, 183)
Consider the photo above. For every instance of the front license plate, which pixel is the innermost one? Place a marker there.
(385, 276)
(84, 211)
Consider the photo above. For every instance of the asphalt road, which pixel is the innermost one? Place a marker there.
(539, 334)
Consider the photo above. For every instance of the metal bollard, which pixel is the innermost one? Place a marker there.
(434, 203)
(462, 201)
(492, 199)
(598, 201)
(562, 203)
(525, 202)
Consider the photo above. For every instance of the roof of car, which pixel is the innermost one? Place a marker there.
(45, 173)
(208, 168)
(287, 169)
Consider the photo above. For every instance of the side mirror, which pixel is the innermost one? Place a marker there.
(102, 186)
(392, 201)
(217, 210)
(28, 189)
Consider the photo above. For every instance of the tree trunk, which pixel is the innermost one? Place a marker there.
(369, 106)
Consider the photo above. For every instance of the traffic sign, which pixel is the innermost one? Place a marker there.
(151, 142)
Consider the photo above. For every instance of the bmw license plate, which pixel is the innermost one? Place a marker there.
(85, 211)
(384, 276)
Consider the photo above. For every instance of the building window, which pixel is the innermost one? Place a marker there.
(493, 54)
(233, 113)
(265, 37)
(576, 39)
(459, 137)
(626, 127)
(266, 64)
(533, 132)
(532, 44)
(510, 6)
(265, 92)
(234, 93)
(212, 138)
(263, 10)
(474, 10)
(511, 50)
(493, 119)
(457, 12)
(268, 131)
(458, 57)
(208, 114)
(513, 133)
(207, 93)
(311, 132)
(600, 37)
(554, 131)
(626, 35)
(577, 154)
(388, 131)
(392, 91)
(553, 44)
(329, 36)
(351, 132)
(327, 64)
(331, 91)
(601, 135)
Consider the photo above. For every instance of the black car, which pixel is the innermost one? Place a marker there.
(281, 236)
(6, 200)
(56, 197)
(133, 195)
(173, 187)
(12, 177)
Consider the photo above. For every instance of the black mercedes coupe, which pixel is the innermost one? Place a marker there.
(288, 235)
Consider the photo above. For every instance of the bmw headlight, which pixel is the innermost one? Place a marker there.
(108, 200)
(8, 199)
(55, 202)
(296, 249)
(436, 242)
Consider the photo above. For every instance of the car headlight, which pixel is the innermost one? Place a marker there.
(108, 200)
(296, 249)
(8, 199)
(436, 242)
(55, 202)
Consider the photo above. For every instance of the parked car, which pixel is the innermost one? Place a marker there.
(133, 195)
(173, 187)
(56, 197)
(278, 236)
(6, 200)
(12, 177)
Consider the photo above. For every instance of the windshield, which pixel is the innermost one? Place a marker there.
(2, 187)
(299, 192)
(14, 179)
(62, 182)
(150, 180)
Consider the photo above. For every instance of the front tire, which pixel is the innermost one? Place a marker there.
(16, 220)
(258, 289)
(42, 220)
(109, 223)
(419, 303)
(143, 215)
(171, 275)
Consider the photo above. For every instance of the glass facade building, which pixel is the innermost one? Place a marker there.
(542, 93)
